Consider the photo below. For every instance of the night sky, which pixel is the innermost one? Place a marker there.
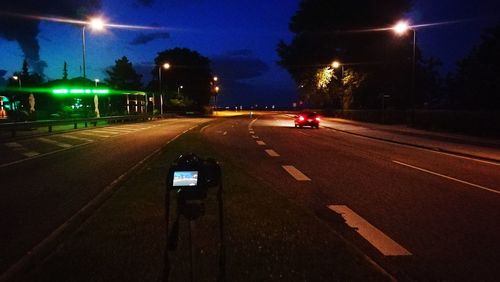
(239, 37)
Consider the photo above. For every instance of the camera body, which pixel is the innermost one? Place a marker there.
(192, 176)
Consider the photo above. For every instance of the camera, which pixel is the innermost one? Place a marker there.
(191, 176)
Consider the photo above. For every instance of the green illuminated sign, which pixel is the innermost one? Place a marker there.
(62, 91)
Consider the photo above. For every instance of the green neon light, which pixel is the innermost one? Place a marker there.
(79, 91)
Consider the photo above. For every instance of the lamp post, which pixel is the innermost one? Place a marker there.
(165, 66)
(96, 81)
(13, 103)
(401, 28)
(179, 90)
(95, 24)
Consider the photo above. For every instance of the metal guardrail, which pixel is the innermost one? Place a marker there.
(13, 127)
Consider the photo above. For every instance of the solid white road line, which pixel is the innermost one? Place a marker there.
(261, 143)
(295, 173)
(377, 238)
(449, 177)
(272, 153)
(120, 129)
(76, 138)
(53, 142)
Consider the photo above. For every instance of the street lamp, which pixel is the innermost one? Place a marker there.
(336, 65)
(179, 89)
(15, 77)
(96, 81)
(401, 28)
(165, 66)
(94, 24)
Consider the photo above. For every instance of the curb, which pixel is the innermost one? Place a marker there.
(434, 149)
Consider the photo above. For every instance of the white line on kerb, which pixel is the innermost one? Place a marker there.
(295, 173)
(261, 143)
(272, 153)
(53, 142)
(448, 177)
(372, 234)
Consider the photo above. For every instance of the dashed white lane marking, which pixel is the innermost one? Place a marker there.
(22, 150)
(272, 153)
(251, 132)
(250, 125)
(76, 138)
(94, 134)
(303, 133)
(53, 142)
(225, 133)
(255, 137)
(295, 173)
(261, 143)
(449, 177)
(377, 238)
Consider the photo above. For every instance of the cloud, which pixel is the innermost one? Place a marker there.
(145, 38)
(239, 65)
(25, 31)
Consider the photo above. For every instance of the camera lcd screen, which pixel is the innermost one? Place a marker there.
(185, 178)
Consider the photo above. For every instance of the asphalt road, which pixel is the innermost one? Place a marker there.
(46, 180)
(421, 215)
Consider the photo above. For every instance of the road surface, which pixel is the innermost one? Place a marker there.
(421, 215)
(46, 180)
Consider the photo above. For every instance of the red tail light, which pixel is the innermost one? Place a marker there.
(301, 118)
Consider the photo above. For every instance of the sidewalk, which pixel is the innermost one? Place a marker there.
(467, 146)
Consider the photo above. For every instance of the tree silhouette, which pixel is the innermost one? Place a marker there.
(65, 71)
(189, 69)
(477, 85)
(123, 76)
(328, 30)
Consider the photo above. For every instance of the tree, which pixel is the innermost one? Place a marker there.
(65, 71)
(328, 30)
(123, 76)
(189, 69)
(476, 85)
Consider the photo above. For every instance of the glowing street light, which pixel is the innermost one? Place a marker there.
(165, 66)
(401, 28)
(179, 89)
(96, 81)
(216, 78)
(336, 65)
(96, 24)
(15, 77)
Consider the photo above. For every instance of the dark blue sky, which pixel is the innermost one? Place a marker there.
(239, 37)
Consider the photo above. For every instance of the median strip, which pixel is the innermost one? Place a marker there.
(53, 142)
(372, 234)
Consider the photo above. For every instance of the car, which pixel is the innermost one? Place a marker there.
(311, 119)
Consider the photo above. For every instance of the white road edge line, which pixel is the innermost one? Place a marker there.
(295, 173)
(272, 153)
(372, 234)
(413, 147)
(448, 177)
(261, 143)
